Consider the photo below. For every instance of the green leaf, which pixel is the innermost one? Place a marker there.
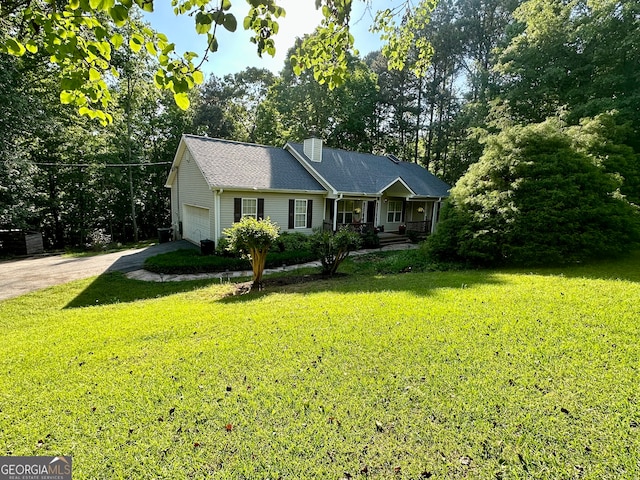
(218, 17)
(168, 49)
(230, 22)
(151, 48)
(198, 77)
(117, 40)
(188, 56)
(14, 47)
(87, 112)
(135, 42)
(67, 97)
(146, 5)
(159, 79)
(203, 22)
(31, 46)
(180, 85)
(94, 75)
(213, 44)
(119, 14)
(182, 100)
(226, 5)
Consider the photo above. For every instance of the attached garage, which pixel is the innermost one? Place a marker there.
(196, 224)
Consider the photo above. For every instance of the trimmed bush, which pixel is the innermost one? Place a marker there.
(293, 242)
(333, 248)
(253, 238)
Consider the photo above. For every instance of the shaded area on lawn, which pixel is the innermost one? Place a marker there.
(115, 287)
(624, 268)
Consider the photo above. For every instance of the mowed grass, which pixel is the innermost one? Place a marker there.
(470, 374)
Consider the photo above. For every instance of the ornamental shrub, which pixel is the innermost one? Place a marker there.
(293, 242)
(534, 198)
(333, 248)
(253, 238)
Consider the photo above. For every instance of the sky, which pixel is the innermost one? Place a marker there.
(236, 52)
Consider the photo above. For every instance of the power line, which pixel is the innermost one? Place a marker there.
(42, 164)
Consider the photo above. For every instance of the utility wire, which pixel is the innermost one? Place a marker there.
(100, 164)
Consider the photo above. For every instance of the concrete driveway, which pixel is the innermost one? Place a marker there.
(18, 277)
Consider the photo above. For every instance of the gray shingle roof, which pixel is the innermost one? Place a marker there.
(229, 164)
(353, 172)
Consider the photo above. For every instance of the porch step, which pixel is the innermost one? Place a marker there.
(392, 239)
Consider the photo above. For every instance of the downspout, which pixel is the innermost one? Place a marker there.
(217, 233)
(178, 230)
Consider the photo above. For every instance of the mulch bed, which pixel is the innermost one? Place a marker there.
(270, 283)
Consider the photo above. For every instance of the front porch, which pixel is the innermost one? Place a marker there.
(405, 216)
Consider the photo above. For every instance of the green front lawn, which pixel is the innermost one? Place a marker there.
(469, 374)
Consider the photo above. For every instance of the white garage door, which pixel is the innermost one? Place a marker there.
(196, 224)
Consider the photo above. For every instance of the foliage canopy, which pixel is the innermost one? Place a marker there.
(81, 36)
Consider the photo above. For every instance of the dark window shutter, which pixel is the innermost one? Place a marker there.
(309, 213)
(404, 208)
(292, 207)
(237, 209)
(260, 208)
(331, 208)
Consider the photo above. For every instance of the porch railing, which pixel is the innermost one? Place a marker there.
(421, 228)
(359, 227)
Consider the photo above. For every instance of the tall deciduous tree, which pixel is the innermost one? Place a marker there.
(582, 56)
(344, 116)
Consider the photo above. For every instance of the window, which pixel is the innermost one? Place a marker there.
(394, 211)
(300, 215)
(250, 207)
(345, 211)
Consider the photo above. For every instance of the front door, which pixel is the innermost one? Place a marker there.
(371, 212)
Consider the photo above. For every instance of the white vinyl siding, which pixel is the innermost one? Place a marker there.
(190, 188)
(276, 207)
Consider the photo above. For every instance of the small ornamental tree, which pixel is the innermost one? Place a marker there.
(253, 238)
(333, 248)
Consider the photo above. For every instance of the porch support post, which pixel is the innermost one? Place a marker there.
(435, 214)
(378, 208)
(335, 214)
